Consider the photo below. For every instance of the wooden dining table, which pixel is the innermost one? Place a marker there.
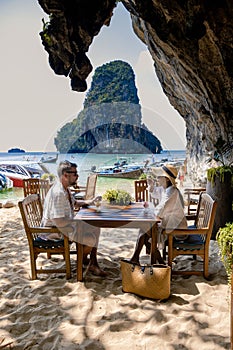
(130, 216)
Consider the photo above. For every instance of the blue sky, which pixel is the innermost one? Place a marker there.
(35, 102)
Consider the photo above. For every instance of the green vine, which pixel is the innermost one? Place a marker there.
(143, 176)
(221, 172)
(45, 33)
(224, 239)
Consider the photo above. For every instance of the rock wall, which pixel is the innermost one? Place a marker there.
(191, 45)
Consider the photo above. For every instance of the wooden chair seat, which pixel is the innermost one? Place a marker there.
(192, 243)
(31, 211)
(49, 244)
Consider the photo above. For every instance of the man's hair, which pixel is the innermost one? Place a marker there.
(64, 167)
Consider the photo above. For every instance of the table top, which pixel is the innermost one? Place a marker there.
(131, 216)
(133, 212)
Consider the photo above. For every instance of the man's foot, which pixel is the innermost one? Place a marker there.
(96, 270)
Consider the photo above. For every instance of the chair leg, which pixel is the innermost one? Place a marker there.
(164, 253)
(33, 265)
(67, 257)
(206, 264)
(170, 246)
(80, 262)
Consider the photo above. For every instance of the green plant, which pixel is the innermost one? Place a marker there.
(222, 155)
(221, 172)
(224, 239)
(143, 176)
(118, 197)
(51, 177)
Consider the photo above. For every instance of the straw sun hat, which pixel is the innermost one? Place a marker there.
(166, 170)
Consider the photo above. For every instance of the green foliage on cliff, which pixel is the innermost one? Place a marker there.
(112, 82)
(111, 121)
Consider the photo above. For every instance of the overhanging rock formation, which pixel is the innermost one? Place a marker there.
(191, 43)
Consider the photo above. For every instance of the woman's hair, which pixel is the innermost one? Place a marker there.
(169, 183)
(64, 167)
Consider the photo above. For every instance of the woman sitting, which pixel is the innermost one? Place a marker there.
(169, 211)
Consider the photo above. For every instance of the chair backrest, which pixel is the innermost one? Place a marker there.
(192, 195)
(140, 190)
(206, 212)
(36, 186)
(31, 211)
(91, 186)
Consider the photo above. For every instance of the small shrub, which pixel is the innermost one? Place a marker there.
(117, 197)
(224, 239)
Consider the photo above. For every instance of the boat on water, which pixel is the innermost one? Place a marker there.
(48, 159)
(17, 172)
(126, 173)
(5, 183)
(121, 169)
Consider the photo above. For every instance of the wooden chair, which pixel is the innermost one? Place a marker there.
(31, 212)
(198, 237)
(192, 198)
(141, 194)
(140, 190)
(86, 192)
(36, 186)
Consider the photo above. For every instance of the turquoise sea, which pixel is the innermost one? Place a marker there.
(85, 163)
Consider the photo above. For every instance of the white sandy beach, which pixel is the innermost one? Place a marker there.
(53, 313)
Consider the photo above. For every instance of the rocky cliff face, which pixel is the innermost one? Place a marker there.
(111, 120)
(191, 45)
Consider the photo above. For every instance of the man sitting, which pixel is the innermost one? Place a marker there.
(58, 211)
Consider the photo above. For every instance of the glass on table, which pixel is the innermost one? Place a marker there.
(98, 205)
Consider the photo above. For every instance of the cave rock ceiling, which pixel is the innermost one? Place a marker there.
(191, 43)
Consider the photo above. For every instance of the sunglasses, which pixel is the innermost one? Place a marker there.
(72, 172)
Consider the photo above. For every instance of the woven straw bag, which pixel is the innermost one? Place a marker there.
(150, 281)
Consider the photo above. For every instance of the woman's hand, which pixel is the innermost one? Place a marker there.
(97, 199)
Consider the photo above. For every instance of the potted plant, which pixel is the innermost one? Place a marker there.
(220, 182)
(117, 197)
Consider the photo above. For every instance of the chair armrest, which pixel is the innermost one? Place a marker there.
(185, 232)
(40, 229)
(79, 189)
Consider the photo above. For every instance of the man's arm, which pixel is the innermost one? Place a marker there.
(82, 203)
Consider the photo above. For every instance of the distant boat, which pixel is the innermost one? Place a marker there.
(121, 173)
(5, 183)
(121, 169)
(49, 159)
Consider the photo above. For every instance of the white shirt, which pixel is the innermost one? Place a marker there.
(171, 209)
(57, 205)
(157, 193)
